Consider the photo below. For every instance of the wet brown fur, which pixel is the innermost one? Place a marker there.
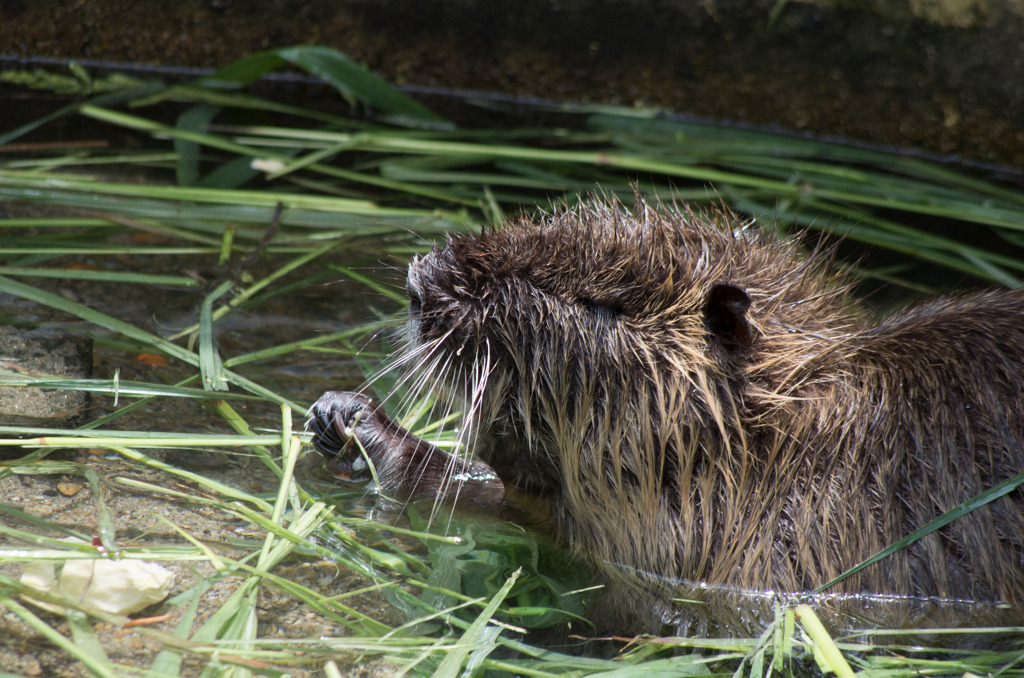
(773, 453)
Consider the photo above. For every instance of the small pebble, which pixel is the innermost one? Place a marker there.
(69, 489)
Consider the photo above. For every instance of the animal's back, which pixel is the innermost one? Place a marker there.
(933, 415)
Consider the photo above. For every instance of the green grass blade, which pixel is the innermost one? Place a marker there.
(195, 119)
(211, 367)
(451, 665)
(989, 495)
(355, 82)
(98, 276)
(84, 636)
(823, 642)
(110, 99)
(113, 324)
(243, 71)
(97, 667)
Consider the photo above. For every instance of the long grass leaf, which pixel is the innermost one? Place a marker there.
(121, 388)
(823, 642)
(979, 500)
(85, 313)
(194, 119)
(109, 99)
(191, 193)
(96, 666)
(99, 276)
(452, 663)
(84, 636)
(211, 367)
(355, 82)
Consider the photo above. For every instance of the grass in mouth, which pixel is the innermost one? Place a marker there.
(272, 197)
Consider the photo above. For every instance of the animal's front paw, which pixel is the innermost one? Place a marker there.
(361, 442)
(336, 420)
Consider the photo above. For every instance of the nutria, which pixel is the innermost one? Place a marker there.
(696, 401)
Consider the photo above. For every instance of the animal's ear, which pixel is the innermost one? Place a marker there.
(725, 316)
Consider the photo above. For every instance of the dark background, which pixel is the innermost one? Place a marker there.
(946, 77)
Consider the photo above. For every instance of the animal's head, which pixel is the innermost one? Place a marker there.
(598, 348)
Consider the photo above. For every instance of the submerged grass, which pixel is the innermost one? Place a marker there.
(222, 183)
